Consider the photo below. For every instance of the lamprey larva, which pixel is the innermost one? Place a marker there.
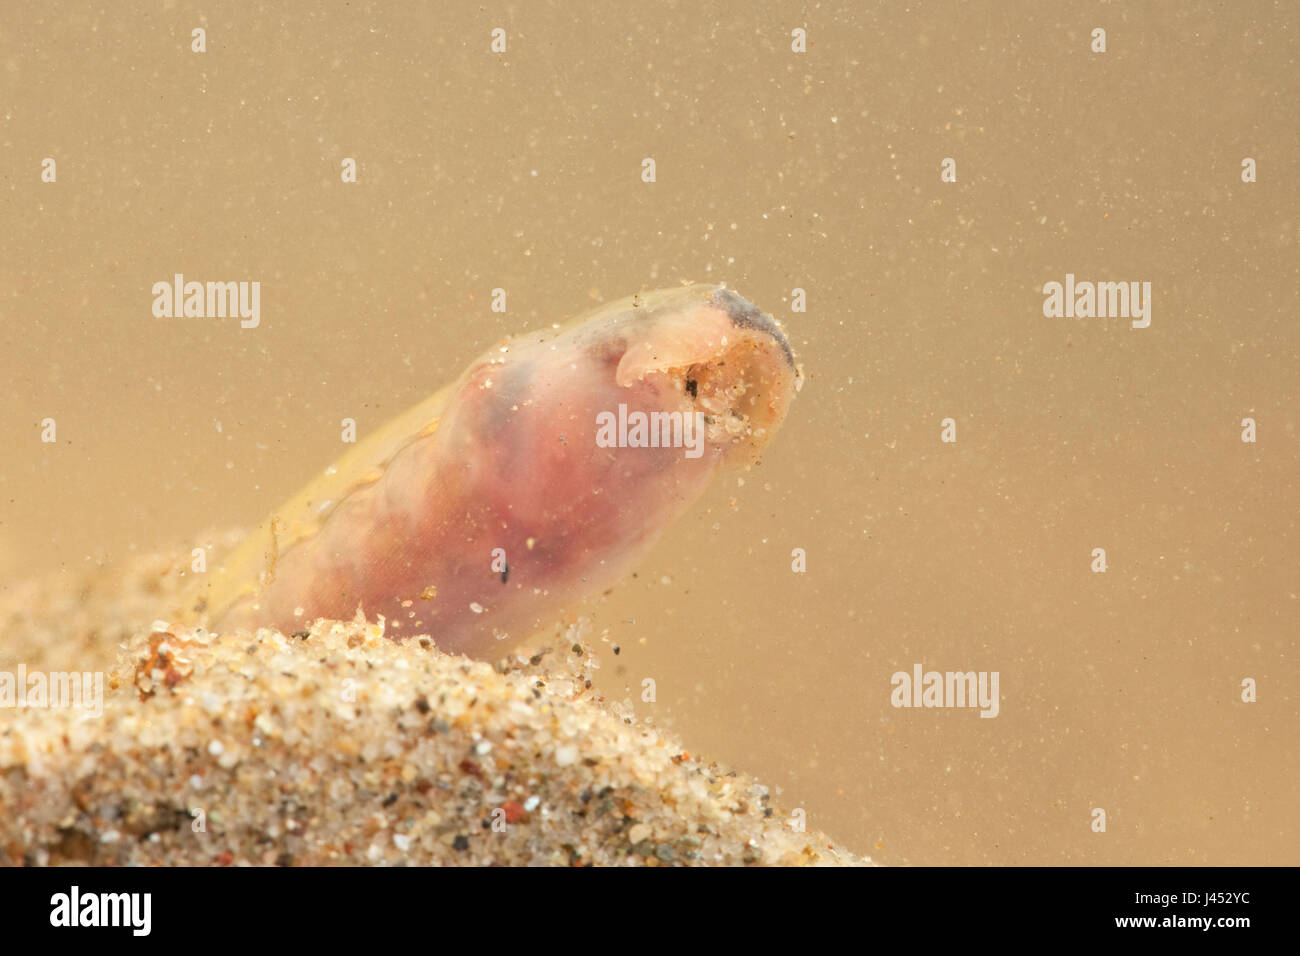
(542, 475)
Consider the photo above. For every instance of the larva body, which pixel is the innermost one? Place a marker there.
(516, 455)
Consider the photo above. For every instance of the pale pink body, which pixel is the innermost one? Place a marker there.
(513, 464)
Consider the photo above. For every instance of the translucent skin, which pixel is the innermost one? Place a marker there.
(407, 524)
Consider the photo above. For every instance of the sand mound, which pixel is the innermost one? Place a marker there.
(338, 745)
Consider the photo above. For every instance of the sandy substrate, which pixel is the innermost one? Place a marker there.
(340, 746)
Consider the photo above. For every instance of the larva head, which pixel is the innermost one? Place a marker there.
(729, 361)
(700, 352)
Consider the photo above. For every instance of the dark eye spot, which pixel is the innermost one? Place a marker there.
(692, 387)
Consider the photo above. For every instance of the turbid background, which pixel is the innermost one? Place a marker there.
(776, 170)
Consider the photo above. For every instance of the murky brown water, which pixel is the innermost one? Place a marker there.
(775, 170)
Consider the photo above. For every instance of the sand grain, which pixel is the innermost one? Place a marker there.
(341, 746)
